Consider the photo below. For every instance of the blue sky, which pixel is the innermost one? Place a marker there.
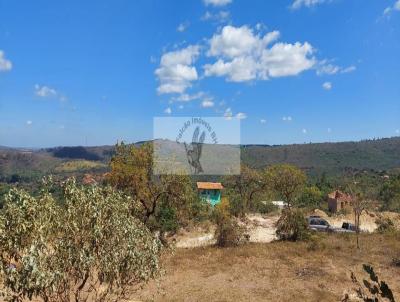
(293, 71)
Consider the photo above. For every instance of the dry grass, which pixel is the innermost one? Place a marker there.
(79, 165)
(278, 271)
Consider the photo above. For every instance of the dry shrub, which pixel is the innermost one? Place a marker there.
(228, 231)
(385, 225)
(372, 288)
(292, 225)
(315, 243)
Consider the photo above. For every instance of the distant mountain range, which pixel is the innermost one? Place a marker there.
(379, 155)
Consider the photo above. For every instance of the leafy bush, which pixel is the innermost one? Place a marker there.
(287, 181)
(228, 231)
(265, 208)
(311, 197)
(165, 220)
(390, 195)
(199, 209)
(236, 205)
(385, 225)
(292, 225)
(88, 248)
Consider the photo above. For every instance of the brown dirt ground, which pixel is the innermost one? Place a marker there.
(277, 271)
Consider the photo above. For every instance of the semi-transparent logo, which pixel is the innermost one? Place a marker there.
(196, 145)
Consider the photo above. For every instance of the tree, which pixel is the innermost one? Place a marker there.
(311, 197)
(88, 248)
(390, 194)
(292, 225)
(359, 203)
(244, 188)
(286, 180)
(131, 171)
(228, 232)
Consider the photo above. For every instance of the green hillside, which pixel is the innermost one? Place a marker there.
(332, 158)
(381, 154)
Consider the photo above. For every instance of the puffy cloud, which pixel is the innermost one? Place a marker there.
(263, 121)
(207, 103)
(241, 116)
(45, 91)
(327, 85)
(287, 118)
(239, 41)
(28, 122)
(243, 55)
(326, 67)
(395, 7)
(5, 65)
(168, 110)
(217, 2)
(176, 71)
(286, 59)
(304, 131)
(182, 27)
(307, 3)
(219, 17)
(238, 70)
(185, 97)
(228, 113)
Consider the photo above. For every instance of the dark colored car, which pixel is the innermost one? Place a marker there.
(347, 227)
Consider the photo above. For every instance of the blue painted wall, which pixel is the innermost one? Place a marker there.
(211, 196)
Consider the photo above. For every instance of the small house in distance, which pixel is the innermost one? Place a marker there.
(210, 191)
(338, 201)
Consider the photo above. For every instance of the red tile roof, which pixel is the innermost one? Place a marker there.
(209, 185)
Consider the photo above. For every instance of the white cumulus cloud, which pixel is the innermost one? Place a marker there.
(243, 55)
(307, 3)
(218, 17)
(45, 91)
(287, 118)
(327, 67)
(176, 72)
(395, 7)
(182, 27)
(217, 2)
(207, 103)
(168, 110)
(263, 121)
(327, 85)
(5, 65)
(185, 97)
(241, 115)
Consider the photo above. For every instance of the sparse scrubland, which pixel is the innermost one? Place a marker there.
(277, 271)
(118, 238)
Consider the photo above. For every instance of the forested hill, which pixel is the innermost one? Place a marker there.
(380, 154)
(332, 158)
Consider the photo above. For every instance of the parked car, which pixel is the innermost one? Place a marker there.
(319, 224)
(347, 227)
(316, 223)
